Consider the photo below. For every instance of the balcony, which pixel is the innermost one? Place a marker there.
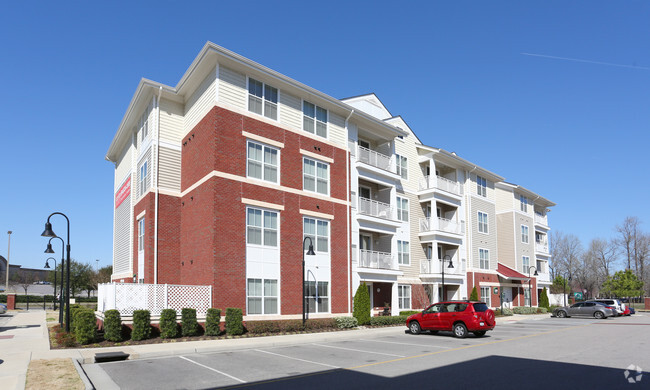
(441, 183)
(376, 159)
(541, 219)
(442, 225)
(376, 260)
(375, 208)
(430, 266)
(543, 277)
(541, 247)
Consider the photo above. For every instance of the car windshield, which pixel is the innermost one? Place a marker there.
(480, 307)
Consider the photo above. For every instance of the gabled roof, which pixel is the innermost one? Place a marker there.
(536, 199)
(468, 165)
(370, 104)
(510, 274)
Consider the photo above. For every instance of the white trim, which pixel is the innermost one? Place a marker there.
(315, 214)
(169, 145)
(175, 194)
(478, 252)
(252, 202)
(262, 163)
(264, 85)
(265, 140)
(317, 156)
(487, 223)
(139, 217)
(316, 162)
(316, 106)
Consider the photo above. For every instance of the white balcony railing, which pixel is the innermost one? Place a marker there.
(376, 260)
(434, 266)
(376, 159)
(543, 277)
(541, 247)
(375, 208)
(541, 219)
(441, 183)
(441, 224)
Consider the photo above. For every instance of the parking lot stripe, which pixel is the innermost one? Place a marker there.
(212, 369)
(395, 342)
(359, 350)
(294, 358)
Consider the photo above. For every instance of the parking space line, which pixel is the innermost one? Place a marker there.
(359, 350)
(395, 342)
(294, 358)
(212, 369)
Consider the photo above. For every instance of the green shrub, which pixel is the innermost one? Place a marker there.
(346, 322)
(506, 312)
(525, 310)
(212, 321)
(112, 325)
(320, 324)
(388, 320)
(189, 325)
(73, 311)
(409, 312)
(262, 327)
(361, 310)
(474, 295)
(85, 326)
(543, 299)
(234, 324)
(168, 325)
(542, 310)
(141, 325)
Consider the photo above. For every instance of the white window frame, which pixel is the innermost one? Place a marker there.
(483, 257)
(141, 231)
(264, 298)
(402, 166)
(403, 252)
(143, 182)
(263, 163)
(402, 212)
(315, 177)
(527, 296)
(486, 296)
(481, 186)
(525, 238)
(523, 203)
(525, 263)
(318, 248)
(144, 125)
(404, 296)
(317, 297)
(314, 119)
(262, 227)
(264, 99)
(483, 227)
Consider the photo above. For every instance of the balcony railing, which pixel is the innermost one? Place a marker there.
(441, 183)
(441, 224)
(376, 260)
(375, 208)
(434, 266)
(541, 219)
(376, 159)
(541, 247)
(543, 277)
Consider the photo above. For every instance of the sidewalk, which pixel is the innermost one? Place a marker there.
(520, 317)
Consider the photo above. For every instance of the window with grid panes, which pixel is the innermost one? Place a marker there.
(317, 296)
(484, 258)
(402, 166)
(315, 176)
(403, 256)
(262, 99)
(482, 222)
(402, 209)
(404, 296)
(262, 227)
(262, 296)
(314, 119)
(524, 234)
(481, 186)
(262, 162)
(318, 231)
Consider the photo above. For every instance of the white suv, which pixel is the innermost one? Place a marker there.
(615, 303)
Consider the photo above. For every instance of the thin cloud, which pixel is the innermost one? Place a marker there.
(586, 61)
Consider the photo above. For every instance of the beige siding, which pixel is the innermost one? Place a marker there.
(232, 88)
(411, 271)
(505, 239)
(135, 190)
(200, 101)
(336, 128)
(524, 249)
(406, 148)
(122, 238)
(290, 108)
(171, 121)
(504, 199)
(123, 166)
(170, 169)
(481, 240)
(472, 187)
(418, 254)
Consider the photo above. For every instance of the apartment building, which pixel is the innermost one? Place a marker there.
(220, 179)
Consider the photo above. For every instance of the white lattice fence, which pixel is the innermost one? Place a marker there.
(127, 297)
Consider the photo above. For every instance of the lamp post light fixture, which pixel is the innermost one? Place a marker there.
(7, 270)
(61, 295)
(310, 252)
(48, 232)
(451, 265)
(530, 291)
(47, 266)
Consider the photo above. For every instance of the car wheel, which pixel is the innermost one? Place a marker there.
(479, 333)
(599, 315)
(561, 314)
(414, 327)
(460, 330)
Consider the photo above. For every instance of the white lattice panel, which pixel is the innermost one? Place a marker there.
(127, 297)
(196, 297)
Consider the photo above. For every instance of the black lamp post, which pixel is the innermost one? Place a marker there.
(310, 252)
(564, 279)
(530, 291)
(48, 232)
(451, 265)
(49, 250)
(47, 266)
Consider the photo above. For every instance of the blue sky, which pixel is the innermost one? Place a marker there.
(574, 131)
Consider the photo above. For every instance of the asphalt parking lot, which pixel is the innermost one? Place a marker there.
(572, 352)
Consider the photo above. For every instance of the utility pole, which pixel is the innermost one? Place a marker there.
(7, 270)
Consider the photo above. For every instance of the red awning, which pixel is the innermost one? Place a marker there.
(508, 273)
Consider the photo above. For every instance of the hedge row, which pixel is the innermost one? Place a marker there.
(388, 320)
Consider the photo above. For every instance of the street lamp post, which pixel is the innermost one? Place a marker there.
(47, 266)
(61, 295)
(564, 279)
(442, 266)
(310, 252)
(49, 233)
(7, 270)
(530, 291)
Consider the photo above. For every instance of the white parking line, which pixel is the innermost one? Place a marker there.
(395, 342)
(358, 350)
(294, 358)
(212, 369)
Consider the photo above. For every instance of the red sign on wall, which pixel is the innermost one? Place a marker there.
(123, 193)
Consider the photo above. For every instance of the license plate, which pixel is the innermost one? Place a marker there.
(482, 323)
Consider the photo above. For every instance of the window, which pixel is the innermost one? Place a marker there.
(262, 296)
(484, 258)
(403, 252)
(402, 166)
(404, 296)
(524, 234)
(143, 185)
(527, 297)
(315, 176)
(144, 124)
(314, 119)
(482, 222)
(141, 235)
(262, 227)
(525, 263)
(485, 295)
(318, 300)
(481, 186)
(402, 209)
(318, 231)
(262, 99)
(262, 162)
(523, 201)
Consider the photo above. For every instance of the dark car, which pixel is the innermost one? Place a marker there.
(585, 309)
(459, 317)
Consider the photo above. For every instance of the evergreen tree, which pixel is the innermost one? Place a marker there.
(361, 310)
(543, 299)
(474, 295)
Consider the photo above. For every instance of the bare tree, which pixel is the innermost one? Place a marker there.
(566, 250)
(643, 253)
(603, 254)
(628, 234)
(587, 275)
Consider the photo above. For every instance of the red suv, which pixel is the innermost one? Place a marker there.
(459, 317)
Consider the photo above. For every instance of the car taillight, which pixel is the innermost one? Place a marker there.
(609, 307)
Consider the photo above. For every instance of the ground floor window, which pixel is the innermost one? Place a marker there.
(262, 296)
(404, 296)
(318, 298)
(485, 295)
(526, 297)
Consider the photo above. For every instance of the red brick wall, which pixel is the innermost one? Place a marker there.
(169, 238)
(419, 299)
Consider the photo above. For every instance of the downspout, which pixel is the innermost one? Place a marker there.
(155, 232)
(469, 229)
(347, 195)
